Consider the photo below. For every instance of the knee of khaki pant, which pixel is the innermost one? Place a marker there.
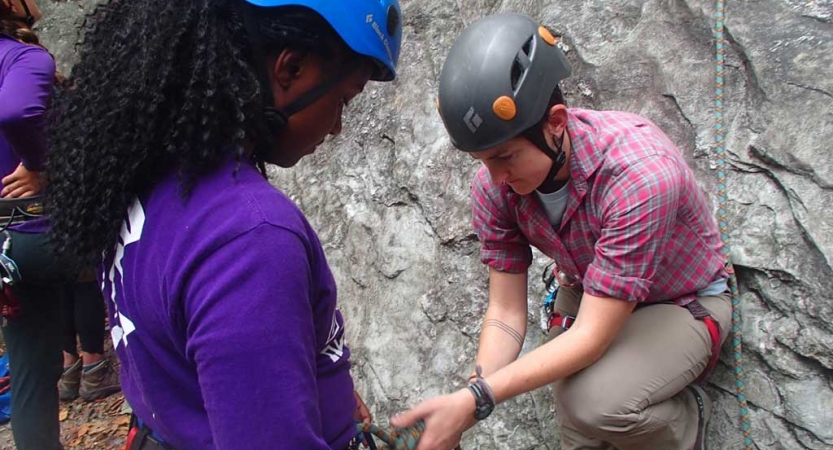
(588, 414)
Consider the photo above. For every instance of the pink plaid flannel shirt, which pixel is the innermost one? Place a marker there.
(637, 226)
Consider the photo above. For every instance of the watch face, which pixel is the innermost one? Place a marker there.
(483, 411)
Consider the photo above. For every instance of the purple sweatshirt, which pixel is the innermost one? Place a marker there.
(223, 314)
(26, 76)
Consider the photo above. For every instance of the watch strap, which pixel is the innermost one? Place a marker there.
(484, 398)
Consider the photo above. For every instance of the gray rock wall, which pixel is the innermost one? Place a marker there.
(389, 198)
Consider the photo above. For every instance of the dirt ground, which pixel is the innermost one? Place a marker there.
(99, 425)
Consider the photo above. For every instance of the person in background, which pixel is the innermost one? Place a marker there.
(86, 373)
(32, 306)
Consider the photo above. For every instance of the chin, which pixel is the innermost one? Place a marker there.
(285, 161)
(521, 189)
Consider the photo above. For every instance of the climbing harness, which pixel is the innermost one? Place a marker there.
(722, 222)
(554, 279)
(19, 210)
(14, 211)
(9, 275)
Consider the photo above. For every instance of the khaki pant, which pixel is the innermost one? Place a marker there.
(633, 398)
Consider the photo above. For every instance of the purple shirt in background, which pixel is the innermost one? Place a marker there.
(26, 76)
(223, 314)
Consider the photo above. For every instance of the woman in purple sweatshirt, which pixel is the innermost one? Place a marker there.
(26, 76)
(31, 307)
(222, 306)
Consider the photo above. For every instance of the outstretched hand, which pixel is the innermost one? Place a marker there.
(446, 418)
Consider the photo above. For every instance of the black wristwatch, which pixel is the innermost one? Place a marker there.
(484, 399)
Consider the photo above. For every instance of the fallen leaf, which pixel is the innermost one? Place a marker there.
(115, 404)
(62, 416)
(122, 420)
(82, 430)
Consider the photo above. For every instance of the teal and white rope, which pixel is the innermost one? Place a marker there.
(722, 199)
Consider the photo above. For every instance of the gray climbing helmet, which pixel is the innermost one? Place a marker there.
(497, 80)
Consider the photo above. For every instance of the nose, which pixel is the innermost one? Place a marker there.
(498, 175)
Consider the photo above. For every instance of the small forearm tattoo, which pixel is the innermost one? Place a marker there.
(509, 330)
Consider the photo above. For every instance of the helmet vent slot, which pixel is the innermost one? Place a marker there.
(521, 63)
(528, 45)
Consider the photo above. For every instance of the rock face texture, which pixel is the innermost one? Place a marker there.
(390, 199)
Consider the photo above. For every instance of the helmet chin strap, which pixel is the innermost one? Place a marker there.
(278, 119)
(29, 19)
(536, 136)
(275, 118)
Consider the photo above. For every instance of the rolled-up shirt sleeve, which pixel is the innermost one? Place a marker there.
(638, 213)
(503, 246)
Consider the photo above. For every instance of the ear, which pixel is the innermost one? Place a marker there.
(288, 67)
(556, 120)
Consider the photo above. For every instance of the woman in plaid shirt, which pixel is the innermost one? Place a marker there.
(642, 306)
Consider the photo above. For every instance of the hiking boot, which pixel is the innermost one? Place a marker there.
(69, 382)
(704, 412)
(99, 382)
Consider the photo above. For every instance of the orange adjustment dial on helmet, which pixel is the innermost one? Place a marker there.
(547, 36)
(504, 107)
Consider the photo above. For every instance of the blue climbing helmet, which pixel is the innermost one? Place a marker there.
(369, 27)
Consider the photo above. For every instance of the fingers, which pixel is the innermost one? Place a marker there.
(362, 413)
(10, 178)
(20, 187)
(21, 183)
(428, 442)
(18, 191)
(17, 175)
(409, 418)
(9, 185)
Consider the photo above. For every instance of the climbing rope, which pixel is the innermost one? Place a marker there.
(722, 199)
(396, 439)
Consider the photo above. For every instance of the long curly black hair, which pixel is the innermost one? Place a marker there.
(161, 85)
